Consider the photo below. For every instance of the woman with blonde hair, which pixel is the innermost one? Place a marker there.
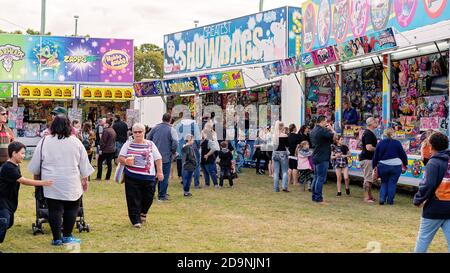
(389, 161)
(280, 156)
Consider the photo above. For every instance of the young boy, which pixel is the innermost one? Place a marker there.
(10, 180)
(189, 164)
(225, 164)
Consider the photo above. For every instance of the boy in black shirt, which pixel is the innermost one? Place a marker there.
(225, 164)
(10, 180)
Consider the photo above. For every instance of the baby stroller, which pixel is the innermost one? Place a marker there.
(42, 214)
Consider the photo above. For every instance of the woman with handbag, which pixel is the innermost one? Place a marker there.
(389, 161)
(143, 165)
(62, 158)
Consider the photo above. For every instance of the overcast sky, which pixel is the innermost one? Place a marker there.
(145, 21)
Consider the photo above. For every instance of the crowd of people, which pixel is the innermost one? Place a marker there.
(62, 164)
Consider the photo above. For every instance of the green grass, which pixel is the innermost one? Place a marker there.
(249, 218)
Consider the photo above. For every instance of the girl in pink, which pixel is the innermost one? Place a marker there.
(304, 166)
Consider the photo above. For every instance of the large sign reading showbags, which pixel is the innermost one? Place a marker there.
(329, 22)
(251, 39)
(65, 59)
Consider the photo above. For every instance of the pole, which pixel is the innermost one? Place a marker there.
(43, 17)
(261, 4)
(76, 24)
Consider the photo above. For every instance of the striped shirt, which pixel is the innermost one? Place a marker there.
(144, 155)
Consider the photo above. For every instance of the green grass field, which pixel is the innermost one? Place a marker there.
(249, 218)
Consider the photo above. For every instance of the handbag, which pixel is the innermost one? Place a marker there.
(119, 176)
(39, 176)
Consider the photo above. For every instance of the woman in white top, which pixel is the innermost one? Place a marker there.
(62, 158)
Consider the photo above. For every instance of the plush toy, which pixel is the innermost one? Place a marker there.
(403, 74)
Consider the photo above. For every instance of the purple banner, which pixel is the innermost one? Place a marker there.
(148, 89)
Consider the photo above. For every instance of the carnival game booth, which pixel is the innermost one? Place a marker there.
(99, 101)
(392, 63)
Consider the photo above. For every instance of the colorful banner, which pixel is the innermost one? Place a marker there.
(46, 92)
(329, 22)
(6, 90)
(324, 56)
(229, 80)
(251, 39)
(306, 60)
(106, 93)
(148, 89)
(374, 42)
(181, 85)
(282, 67)
(64, 59)
(294, 32)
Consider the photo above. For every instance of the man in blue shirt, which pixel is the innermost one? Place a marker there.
(350, 115)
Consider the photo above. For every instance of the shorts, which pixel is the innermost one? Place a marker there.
(269, 154)
(293, 164)
(366, 167)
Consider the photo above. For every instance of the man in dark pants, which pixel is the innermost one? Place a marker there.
(166, 139)
(107, 150)
(121, 129)
(321, 138)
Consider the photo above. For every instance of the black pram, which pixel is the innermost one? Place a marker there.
(42, 214)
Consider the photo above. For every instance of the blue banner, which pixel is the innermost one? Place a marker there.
(181, 85)
(251, 39)
(294, 32)
(329, 22)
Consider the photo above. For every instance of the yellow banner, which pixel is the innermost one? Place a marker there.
(107, 93)
(46, 92)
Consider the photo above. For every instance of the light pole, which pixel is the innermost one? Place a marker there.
(76, 23)
(42, 17)
(196, 22)
(261, 3)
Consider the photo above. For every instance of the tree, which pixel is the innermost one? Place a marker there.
(148, 62)
(28, 31)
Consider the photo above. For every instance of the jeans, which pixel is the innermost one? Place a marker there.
(226, 172)
(389, 177)
(118, 148)
(187, 179)
(163, 185)
(280, 161)
(62, 214)
(427, 230)
(6, 222)
(108, 157)
(320, 176)
(239, 162)
(139, 195)
(210, 170)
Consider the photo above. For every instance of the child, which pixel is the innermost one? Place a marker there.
(225, 164)
(189, 164)
(10, 180)
(304, 164)
(339, 156)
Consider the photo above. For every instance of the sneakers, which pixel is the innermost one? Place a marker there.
(57, 242)
(70, 240)
(137, 225)
(286, 190)
(143, 218)
(347, 191)
(163, 199)
(339, 194)
(187, 194)
(216, 186)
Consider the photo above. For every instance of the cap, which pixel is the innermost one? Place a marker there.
(59, 110)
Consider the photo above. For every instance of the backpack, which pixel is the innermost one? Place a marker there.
(443, 190)
(85, 142)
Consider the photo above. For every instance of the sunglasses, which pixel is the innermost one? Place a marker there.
(137, 132)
